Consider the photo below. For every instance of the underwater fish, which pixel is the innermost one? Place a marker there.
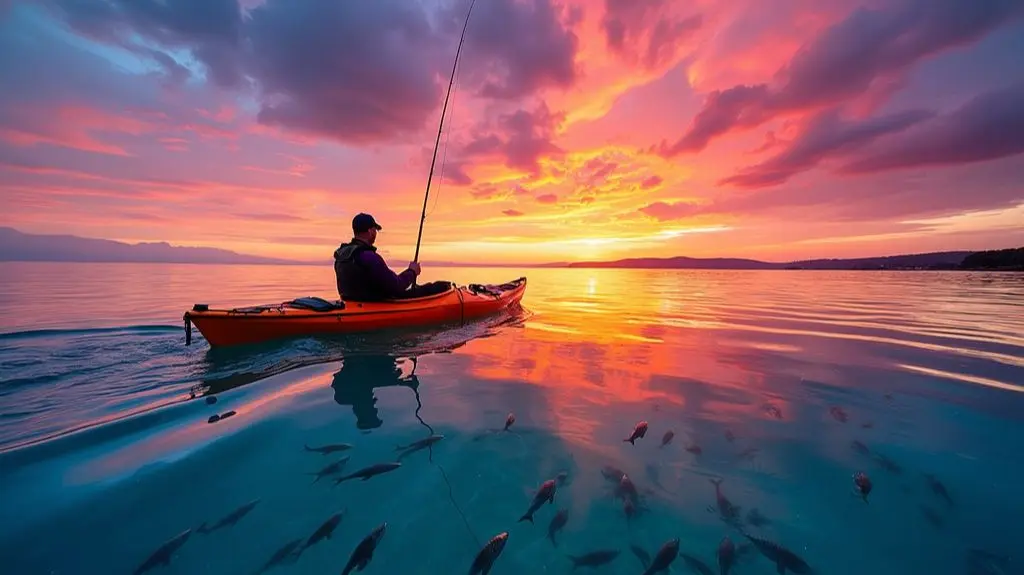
(612, 474)
(667, 438)
(938, 488)
(557, 523)
(562, 478)
(626, 489)
(783, 558)
(594, 558)
(726, 555)
(363, 553)
(694, 449)
(367, 472)
(324, 531)
(546, 494)
(860, 447)
(509, 420)
(162, 556)
(756, 518)
(285, 553)
(488, 554)
(230, 519)
(629, 509)
(931, 516)
(664, 558)
(638, 432)
(331, 469)
(641, 554)
(863, 484)
(326, 449)
(696, 564)
(888, 464)
(838, 414)
(418, 445)
(730, 513)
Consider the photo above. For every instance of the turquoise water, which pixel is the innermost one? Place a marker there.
(765, 378)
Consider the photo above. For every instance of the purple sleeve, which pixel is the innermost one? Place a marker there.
(391, 283)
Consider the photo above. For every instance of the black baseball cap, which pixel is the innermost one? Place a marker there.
(363, 222)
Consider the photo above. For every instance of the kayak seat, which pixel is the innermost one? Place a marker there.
(316, 304)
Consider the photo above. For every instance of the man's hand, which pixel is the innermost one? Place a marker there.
(415, 267)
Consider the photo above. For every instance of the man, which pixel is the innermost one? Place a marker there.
(363, 275)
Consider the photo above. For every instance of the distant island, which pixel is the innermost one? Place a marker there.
(20, 246)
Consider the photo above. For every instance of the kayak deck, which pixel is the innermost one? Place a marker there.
(315, 316)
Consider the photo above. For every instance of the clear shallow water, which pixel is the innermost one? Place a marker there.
(107, 457)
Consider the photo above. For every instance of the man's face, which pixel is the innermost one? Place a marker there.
(371, 236)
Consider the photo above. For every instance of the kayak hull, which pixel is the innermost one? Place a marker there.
(238, 326)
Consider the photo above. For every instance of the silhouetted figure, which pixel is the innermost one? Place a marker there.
(359, 375)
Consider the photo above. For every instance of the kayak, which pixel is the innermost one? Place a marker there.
(313, 316)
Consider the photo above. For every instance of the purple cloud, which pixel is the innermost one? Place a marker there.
(987, 127)
(826, 134)
(520, 138)
(870, 45)
(626, 21)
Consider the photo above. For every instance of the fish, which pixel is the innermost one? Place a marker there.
(363, 553)
(938, 488)
(230, 519)
(557, 523)
(757, 519)
(418, 445)
(931, 516)
(331, 469)
(162, 556)
(641, 554)
(694, 449)
(325, 449)
(594, 558)
(509, 420)
(726, 555)
(863, 484)
(286, 552)
(783, 558)
(367, 472)
(562, 478)
(489, 554)
(228, 414)
(838, 414)
(626, 489)
(667, 438)
(729, 512)
(664, 558)
(888, 464)
(696, 564)
(860, 447)
(612, 474)
(546, 494)
(638, 432)
(629, 508)
(324, 531)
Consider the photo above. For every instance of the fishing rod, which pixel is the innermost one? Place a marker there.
(440, 127)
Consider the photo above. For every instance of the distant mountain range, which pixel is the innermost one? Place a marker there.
(19, 246)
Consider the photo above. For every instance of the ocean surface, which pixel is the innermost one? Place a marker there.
(777, 386)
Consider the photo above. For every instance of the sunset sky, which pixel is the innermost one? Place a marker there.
(578, 129)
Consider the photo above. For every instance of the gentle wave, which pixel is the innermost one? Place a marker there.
(128, 329)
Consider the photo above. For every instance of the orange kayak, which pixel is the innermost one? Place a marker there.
(315, 316)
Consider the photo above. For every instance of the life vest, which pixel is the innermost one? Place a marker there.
(353, 278)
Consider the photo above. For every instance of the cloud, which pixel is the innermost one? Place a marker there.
(651, 182)
(626, 22)
(511, 212)
(548, 198)
(665, 211)
(846, 61)
(519, 139)
(825, 134)
(989, 126)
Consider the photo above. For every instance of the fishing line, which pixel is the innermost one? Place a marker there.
(430, 451)
(447, 136)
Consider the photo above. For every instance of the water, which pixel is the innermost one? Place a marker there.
(106, 457)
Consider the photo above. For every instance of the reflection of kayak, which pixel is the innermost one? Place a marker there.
(315, 316)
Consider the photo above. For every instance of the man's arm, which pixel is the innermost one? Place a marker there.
(390, 283)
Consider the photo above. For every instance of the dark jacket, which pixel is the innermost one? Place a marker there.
(362, 275)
